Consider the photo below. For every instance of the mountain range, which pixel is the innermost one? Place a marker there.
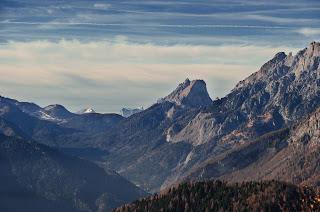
(266, 128)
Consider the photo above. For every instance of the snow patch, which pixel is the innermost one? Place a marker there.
(188, 158)
(86, 110)
(169, 114)
(44, 116)
(168, 137)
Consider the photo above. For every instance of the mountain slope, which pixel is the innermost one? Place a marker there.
(297, 163)
(138, 144)
(239, 158)
(92, 122)
(61, 180)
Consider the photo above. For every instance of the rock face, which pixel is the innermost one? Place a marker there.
(190, 93)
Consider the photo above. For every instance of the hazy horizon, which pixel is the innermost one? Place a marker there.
(113, 54)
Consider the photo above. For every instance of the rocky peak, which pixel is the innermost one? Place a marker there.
(190, 93)
(286, 83)
(278, 57)
(307, 59)
(314, 49)
(272, 69)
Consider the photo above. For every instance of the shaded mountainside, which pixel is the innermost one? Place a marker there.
(219, 196)
(92, 122)
(181, 133)
(137, 146)
(35, 174)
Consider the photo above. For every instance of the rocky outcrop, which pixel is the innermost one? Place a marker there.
(127, 112)
(190, 93)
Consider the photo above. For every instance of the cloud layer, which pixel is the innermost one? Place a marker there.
(109, 75)
(114, 53)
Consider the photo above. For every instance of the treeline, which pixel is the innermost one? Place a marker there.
(220, 196)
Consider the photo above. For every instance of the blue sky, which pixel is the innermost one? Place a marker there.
(113, 54)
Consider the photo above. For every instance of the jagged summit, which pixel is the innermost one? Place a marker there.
(313, 50)
(290, 66)
(314, 47)
(190, 93)
(279, 56)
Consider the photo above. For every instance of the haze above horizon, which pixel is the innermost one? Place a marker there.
(114, 54)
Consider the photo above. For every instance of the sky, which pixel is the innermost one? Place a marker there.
(113, 54)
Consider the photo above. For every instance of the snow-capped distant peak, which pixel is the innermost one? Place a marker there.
(86, 110)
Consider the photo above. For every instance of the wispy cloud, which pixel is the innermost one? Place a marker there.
(281, 20)
(149, 25)
(309, 31)
(102, 6)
